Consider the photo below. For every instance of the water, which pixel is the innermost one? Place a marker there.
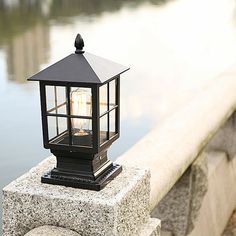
(173, 48)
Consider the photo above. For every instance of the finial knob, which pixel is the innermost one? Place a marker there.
(79, 44)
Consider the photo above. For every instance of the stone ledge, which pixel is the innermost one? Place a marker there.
(122, 208)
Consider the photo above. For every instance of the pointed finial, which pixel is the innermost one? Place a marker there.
(79, 44)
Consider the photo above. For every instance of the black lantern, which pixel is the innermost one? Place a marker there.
(80, 102)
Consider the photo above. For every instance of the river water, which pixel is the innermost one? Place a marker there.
(172, 47)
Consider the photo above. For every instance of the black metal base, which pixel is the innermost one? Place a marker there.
(70, 180)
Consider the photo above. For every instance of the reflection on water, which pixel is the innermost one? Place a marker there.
(26, 52)
(173, 48)
(24, 27)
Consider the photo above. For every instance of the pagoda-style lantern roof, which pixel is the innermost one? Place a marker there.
(81, 68)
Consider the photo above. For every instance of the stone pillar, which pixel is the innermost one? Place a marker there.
(121, 208)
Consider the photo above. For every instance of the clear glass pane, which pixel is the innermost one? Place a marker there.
(50, 97)
(61, 100)
(61, 94)
(61, 110)
(52, 127)
(56, 99)
(81, 132)
(103, 129)
(62, 125)
(58, 130)
(103, 98)
(112, 93)
(112, 115)
(81, 101)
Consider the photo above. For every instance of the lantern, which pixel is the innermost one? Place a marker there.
(80, 104)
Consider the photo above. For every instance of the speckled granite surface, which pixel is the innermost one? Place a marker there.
(122, 208)
(48, 230)
(180, 208)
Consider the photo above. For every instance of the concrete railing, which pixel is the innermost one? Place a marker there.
(169, 149)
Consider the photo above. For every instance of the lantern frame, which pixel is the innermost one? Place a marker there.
(96, 147)
(77, 166)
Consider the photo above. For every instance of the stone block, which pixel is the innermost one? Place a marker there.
(225, 138)
(121, 208)
(220, 199)
(179, 209)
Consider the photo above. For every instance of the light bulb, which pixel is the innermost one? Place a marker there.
(80, 106)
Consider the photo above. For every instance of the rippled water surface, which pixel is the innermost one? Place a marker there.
(173, 48)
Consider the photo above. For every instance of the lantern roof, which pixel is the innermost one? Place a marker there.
(80, 68)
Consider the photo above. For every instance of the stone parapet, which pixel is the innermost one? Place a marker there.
(172, 145)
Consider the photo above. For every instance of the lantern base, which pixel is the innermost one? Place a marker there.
(70, 180)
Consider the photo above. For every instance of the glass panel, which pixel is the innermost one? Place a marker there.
(112, 93)
(61, 100)
(81, 132)
(103, 98)
(56, 99)
(61, 110)
(81, 101)
(61, 95)
(112, 115)
(52, 127)
(103, 129)
(50, 97)
(62, 125)
(58, 130)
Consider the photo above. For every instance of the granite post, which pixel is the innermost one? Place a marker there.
(121, 208)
